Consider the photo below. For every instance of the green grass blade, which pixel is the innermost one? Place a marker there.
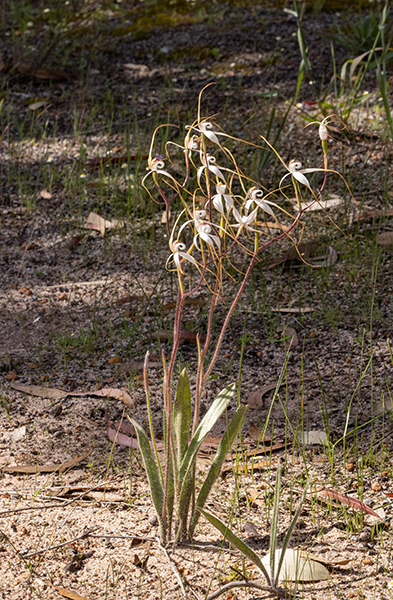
(236, 541)
(289, 533)
(214, 471)
(274, 526)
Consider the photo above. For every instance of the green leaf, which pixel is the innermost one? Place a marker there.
(182, 414)
(210, 418)
(215, 468)
(156, 491)
(236, 541)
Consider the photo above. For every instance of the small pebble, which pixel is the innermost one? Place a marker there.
(153, 520)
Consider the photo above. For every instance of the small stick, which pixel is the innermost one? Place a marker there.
(79, 537)
(175, 571)
(244, 584)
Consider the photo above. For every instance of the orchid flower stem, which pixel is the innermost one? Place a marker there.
(167, 393)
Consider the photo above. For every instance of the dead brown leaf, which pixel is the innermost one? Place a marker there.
(43, 73)
(350, 501)
(256, 434)
(187, 302)
(38, 390)
(115, 360)
(56, 394)
(385, 239)
(45, 194)
(97, 223)
(255, 399)
(30, 469)
(256, 497)
(185, 336)
(135, 366)
(130, 298)
(69, 593)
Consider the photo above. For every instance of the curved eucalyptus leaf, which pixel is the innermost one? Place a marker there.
(214, 471)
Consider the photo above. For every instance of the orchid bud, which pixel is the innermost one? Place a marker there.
(323, 132)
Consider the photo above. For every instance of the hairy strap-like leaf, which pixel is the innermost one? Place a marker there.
(210, 418)
(236, 541)
(214, 471)
(182, 414)
(156, 491)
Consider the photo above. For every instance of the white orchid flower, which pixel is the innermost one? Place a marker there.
(179, 254)
(208, 162)
(222, 198)
(256, 197)
(206, 129)
(205, 233)
(244, 222)
(192, 142)
(156, 165)
(296, 172)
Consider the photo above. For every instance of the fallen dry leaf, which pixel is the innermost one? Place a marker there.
(300, 311)
(313, 437)
(38, 390)
(69, 593)
(187, 302)
(17, 434)
(255, 399)
(73, 242)
(135, 366)
(372, 520)
(350, 501)
(38, 105)
(272, 225)
(45, 194)
(185, 336)
(12, 375)
(108, 393)
(97, 223)
(115, 360)
(295, 567)
(25, 291)
(43, 72)
(385, 239)
(330, 202)
(56, 394)
(256, 497)
(130, 298)
(30, 469)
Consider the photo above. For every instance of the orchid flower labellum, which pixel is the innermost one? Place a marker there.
(244, 221)
(256, 197)
(179, 254)
(295, 170)
(208, 162)
(206, 128)
(205, 233)
(222, 198)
